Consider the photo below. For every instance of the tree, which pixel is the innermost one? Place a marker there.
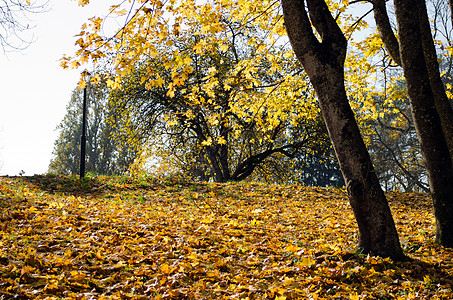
(433, 115)
(104, 154)
(390, 135)
(205, 124)
(315, 165)
(324, 63)
(443, 106)
(442, 33)
(316, 170)
(14, 15)
(427, 118)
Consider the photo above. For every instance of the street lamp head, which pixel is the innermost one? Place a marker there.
(85, 73)
(85, 79)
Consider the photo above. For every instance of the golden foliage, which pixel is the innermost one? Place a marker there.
(118, 237)
(212, 25)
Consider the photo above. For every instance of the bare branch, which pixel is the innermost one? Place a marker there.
(15, 21)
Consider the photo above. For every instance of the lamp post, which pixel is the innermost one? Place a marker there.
(83, 140)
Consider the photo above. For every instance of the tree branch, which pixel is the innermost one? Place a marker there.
(385, 30)
(247, 167)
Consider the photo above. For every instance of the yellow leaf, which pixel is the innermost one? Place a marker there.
(165, 268)
(33, 209)
(172, 122)
(56, 205)
(110, 82)
(213, 121)
(187, 60)
(192, 256)
(95, 79)
(426, 279)
(306, 261)
(208, 142)
(292, 248)
(223, 48)
(288, 281)
(83, 2)
(99, 255)
(221, 140)
(198, 47)
(354, 296)
(255, 222)
(207, 221)
(121, 12)
(82, 85)
(68, 253)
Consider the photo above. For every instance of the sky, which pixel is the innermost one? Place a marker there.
(34, 89)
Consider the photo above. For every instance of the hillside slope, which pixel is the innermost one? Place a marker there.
(124, 238)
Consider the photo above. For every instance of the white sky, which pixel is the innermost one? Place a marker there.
(34, 89)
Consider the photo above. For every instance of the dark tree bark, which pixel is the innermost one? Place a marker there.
(427, 121)
(390, 41)
(324, 64)
(246, 167)
(441, 101)
(224, 161)
(385, 30)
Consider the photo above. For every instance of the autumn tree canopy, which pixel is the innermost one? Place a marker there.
(216, 124)
(241, 51)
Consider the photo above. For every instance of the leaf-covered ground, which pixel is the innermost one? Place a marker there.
(122, 238)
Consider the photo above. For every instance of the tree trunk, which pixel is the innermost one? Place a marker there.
(324, 64)
(385, 30)
(427, 121)
(216, 167)
(390, 41)
(223, 153)
(211, 152)
(441, 101)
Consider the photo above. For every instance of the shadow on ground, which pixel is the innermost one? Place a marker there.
(74, 185)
